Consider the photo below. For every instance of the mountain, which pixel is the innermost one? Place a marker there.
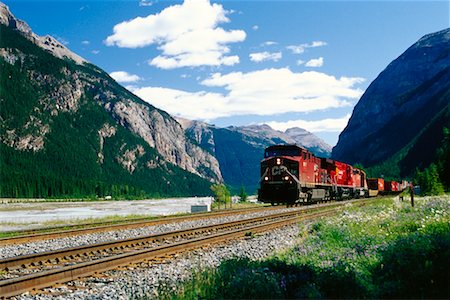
(239, 150)
(268, 136)
(309, 141)
(68, 129)
(398, 123)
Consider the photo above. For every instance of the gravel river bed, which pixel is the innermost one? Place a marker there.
(25, 215)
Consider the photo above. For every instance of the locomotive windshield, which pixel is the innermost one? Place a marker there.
(282, 151)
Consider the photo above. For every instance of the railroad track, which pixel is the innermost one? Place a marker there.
(88, 228)
(27, 272)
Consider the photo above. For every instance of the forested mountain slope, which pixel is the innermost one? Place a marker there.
(398, 124)
(67, 129)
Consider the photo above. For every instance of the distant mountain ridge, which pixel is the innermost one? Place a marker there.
(239, 149)
(295, 135)
(400, 117)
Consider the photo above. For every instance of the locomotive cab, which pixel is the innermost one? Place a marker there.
(280, 175)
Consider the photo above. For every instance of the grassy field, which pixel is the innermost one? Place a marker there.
(387, 249)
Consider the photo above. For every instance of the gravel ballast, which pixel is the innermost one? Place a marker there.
(144, 281)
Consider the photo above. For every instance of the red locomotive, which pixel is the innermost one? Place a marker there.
(291, 174)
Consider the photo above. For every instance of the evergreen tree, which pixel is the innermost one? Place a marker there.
(443, 159)
(429, 181)
(242, 194)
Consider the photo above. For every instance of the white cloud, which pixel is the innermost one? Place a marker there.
(317, 44)
(325, 125)
(269, 43)
(131, 87)
(95, 52)
(315, 62)
(255, 27)
(145, 3)
(299, 49)
(85, 42)
(122, 76)
(264, 92)
(181, 103)
(264, 56)
(300, 62)
(187, 34)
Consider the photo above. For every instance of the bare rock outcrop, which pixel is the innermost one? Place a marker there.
(167, 136)
(47, 42)
(105, 132)
(128, 159)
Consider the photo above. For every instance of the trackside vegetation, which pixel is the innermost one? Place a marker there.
(222, 195)
(436, 178)
(384, 250)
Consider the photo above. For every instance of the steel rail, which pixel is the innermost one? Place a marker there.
(65, 253)
(16, 286)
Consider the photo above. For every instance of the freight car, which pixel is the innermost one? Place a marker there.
(291, 174)
(376, 186)
(391, 187)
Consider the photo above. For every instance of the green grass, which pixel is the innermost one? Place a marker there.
(384, 250)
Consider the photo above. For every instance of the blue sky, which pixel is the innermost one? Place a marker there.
(284, 63)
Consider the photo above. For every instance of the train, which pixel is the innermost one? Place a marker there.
(291, 174)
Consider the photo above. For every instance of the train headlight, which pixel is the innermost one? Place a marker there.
(278, 161)
(286, 178)
(266, 178)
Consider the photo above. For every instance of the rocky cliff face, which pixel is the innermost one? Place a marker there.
(167, 136)
(399, 104)
(202, 133)
(58, 91)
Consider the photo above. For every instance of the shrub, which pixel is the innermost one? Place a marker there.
(416, 266)
(221, 194)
